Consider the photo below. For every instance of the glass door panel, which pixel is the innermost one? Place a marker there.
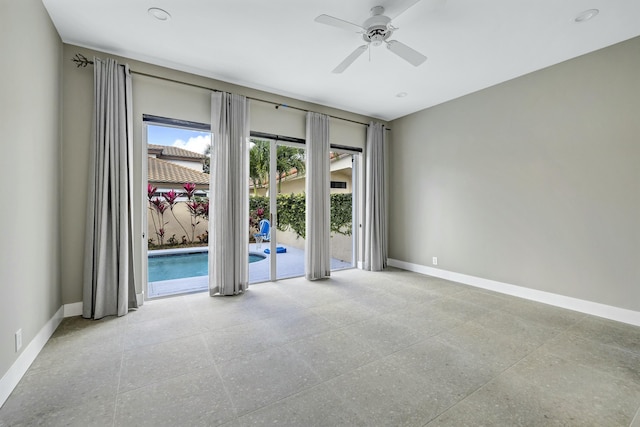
(260, 222)
(342, 210)
(290, 178)
(177, 220)
(276, 210)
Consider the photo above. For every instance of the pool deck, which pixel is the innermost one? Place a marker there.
(289, 264)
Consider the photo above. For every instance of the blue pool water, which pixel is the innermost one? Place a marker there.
(182, 265)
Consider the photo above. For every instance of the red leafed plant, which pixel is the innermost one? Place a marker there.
(198, 208)
(158, 207)
(171, 197)
(190, 188)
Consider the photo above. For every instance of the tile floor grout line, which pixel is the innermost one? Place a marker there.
(573, 362)
(556, 328)
(142, 346)
(115, 400)
(510, 367)
(378, 358)
(215, 367)
(300, 391)
(159, 380)
(615, 346)
(635, 421)
(275, 402)
(234, 407)
(528, 354)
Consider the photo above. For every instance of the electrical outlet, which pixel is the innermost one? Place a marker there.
(435, 260)
(18, 339)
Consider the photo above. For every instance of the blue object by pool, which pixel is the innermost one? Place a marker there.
(279, 250)
(182, 265)
(265, 230)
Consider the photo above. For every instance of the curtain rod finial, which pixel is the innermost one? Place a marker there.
(81, 60)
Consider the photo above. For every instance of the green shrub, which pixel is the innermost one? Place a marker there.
(291, 212)
(341, 213)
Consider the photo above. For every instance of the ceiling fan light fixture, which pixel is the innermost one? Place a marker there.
(159, 14)
(375, 31)
(586, 15)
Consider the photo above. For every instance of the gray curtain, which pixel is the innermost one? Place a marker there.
(109, 279)
(375, 225)
(318, 204)
(229, 195)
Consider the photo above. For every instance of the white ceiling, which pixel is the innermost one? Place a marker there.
(276, 45)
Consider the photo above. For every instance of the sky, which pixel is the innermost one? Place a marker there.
(188, 139)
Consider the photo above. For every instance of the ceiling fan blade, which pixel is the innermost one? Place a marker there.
(340, 23)
(412, 56)
(349, 59)
(398, 8)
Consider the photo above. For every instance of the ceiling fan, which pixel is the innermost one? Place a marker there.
(376, 30)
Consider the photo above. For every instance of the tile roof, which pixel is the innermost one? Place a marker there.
(174, 152)
(164, 172)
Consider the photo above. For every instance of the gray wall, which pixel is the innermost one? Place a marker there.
(162, 98)
(30, 79)
(534, 182)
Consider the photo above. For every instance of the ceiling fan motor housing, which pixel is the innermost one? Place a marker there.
(377, 27)
(375, 31)
(377, 35)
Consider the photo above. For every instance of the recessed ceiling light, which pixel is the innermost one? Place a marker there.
(402, 94)
(159, 14)
(586, 15)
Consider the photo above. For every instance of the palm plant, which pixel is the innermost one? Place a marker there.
(206, 167)
(288, 160)
(258, 164)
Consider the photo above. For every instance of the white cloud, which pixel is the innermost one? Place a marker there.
(197, 144)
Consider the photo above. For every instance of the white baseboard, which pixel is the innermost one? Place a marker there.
(140, 299)
(12, 377)
(15, 373)
(73, 309)
(582, 306)
(635, 422)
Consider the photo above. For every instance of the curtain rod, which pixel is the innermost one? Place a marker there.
(82, 61)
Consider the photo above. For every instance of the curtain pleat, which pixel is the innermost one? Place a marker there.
(318, 204)
(229, 195)
(109, 276)
(375, 225)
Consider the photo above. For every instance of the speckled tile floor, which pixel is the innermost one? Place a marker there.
(363, 349)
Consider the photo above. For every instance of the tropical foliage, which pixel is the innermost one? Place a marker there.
(198, 209)
(288, 160)
(291, 213)
(206, 167)
(259, 164)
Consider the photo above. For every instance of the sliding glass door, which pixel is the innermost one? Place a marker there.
(260, 217)
(290, 180)
(343, 213)
(176, 186)
(276, 210)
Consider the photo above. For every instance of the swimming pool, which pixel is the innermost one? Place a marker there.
(184, 264)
